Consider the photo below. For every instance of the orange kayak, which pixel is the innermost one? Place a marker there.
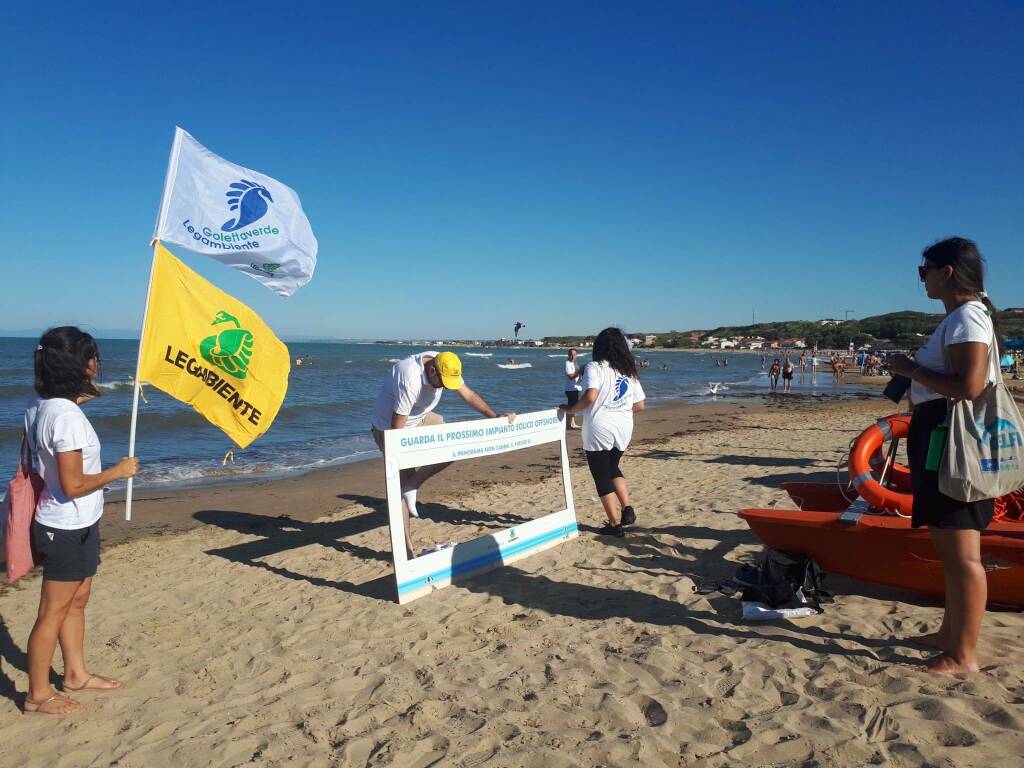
(882, 549)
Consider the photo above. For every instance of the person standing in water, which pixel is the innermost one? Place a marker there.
(611, 395)
(773, 374)
(787, 375)
(66, 528)
(573, 374)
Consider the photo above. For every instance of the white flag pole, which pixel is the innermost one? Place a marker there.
(137, 388)
(172, 171)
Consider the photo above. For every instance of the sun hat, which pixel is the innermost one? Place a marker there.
(449, 367)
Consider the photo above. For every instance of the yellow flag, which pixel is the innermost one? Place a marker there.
(207, 349)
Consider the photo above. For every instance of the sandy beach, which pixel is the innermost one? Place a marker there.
(256, 625)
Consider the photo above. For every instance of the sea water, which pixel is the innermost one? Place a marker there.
(325, 419)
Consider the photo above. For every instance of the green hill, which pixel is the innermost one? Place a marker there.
(894, 330)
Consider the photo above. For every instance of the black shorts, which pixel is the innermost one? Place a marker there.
(931, 506)
(573, 396)
(604, 466)
(787, 376)
(67, 555)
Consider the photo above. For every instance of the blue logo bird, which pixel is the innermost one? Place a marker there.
(246, 197)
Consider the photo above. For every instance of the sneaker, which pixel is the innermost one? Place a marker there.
(628, 516)
(612, 530)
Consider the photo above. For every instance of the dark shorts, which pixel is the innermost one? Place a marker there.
(787, 376)
(931, 506)
(604, 466)
(68, 555)
(572, 396)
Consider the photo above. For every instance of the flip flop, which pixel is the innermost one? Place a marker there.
(40, 704)
(86, 688)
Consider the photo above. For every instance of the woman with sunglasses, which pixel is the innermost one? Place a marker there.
(954, 364)
(66, 528)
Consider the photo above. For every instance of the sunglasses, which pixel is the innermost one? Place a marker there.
(922, 270)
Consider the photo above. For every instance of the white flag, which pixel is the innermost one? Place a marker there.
(241, 218)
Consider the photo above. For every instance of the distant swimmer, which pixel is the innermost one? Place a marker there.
(407, 398)
(773, 374)
(511, 361)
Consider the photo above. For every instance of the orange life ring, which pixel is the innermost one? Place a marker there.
(864, 449)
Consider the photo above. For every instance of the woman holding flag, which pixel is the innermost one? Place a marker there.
(66, 453)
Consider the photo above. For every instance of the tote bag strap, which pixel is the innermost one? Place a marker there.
(24, 456)
(993, 358)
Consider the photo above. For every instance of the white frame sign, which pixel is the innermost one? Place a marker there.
(423, 446)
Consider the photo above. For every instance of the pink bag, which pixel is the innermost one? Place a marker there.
(23, 492)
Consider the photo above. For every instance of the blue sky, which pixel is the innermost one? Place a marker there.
(655, 165)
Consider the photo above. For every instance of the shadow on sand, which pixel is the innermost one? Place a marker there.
(600, 603)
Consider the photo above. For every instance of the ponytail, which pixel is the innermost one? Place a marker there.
(992, 311)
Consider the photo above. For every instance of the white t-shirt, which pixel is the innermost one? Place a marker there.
(571, 382)
(608, 422)
(57, 426)
(968, 322)
(406, 392)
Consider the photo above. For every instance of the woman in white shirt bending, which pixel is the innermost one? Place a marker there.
(611, 395)
(66, 528)
(954, 364)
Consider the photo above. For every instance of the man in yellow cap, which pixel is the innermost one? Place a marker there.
(407, 398)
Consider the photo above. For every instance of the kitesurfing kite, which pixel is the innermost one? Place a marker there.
(518, 326)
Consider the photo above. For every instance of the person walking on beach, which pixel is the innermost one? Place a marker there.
(66, 528)
(773, 374)
(787, 375)
(954, 363)
(573, 374)
(407, 398)
(611, 395)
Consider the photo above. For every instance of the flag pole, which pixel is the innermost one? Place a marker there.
(169, 178)
(138, 387)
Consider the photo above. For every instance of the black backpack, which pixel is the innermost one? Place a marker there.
(777, 578)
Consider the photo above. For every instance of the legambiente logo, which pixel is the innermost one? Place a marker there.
(249, 202)
(267, 268)
(231, 349)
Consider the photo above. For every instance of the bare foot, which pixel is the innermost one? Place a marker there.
(91, 683)
(54, 705)
(944, 664)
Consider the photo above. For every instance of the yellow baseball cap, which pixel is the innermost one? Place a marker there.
(450, 369)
